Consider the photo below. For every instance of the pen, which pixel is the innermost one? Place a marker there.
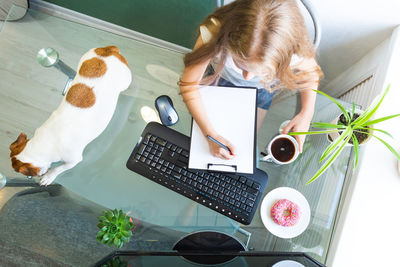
(219, 143)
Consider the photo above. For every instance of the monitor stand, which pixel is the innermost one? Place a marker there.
(209, 242)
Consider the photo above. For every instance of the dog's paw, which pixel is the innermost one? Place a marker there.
(47, 179)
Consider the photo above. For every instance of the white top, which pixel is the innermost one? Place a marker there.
(232, 73)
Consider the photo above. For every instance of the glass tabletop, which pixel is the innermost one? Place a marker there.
(30, 92)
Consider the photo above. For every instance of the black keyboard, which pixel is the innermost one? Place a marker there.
(162, 155)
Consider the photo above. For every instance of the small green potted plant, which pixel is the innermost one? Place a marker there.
(351, 128)
(115, 228)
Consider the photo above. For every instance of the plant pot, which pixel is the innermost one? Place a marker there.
(334, 135)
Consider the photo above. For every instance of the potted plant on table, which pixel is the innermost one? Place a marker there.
(352, 127)
(115, 228)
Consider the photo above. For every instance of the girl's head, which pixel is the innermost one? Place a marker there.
(260, 35)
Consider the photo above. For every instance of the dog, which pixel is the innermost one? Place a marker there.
(83, 114)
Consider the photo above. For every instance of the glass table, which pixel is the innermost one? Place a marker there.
(30, 92)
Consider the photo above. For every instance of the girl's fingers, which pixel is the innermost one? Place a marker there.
(287, 128)
(300, 142)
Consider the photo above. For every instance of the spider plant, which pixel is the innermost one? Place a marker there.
(348, 132)
(115, 228)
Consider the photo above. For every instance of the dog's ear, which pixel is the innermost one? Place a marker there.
(24, 168)
(18, 145)
(28, 170)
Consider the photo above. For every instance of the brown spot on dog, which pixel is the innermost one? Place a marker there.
(80, 95)
(110, 51)
(93, 68)
(18, 145)
(24, 168)
(106, 51)
(16, 148)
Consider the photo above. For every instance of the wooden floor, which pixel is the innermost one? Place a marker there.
(7, 193)
(30, 92)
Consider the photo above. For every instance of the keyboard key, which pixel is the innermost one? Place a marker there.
(250, 203)
(161, 142)
(249, 182)
(177, 169)
(252, 191)
(146, 139)
(242, 179)
(185, 153)
(176, 175)
(141, 149)
(251, 197)
(256, 186)
(153, 138)
(183, 159)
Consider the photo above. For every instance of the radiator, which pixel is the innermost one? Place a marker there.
(362, 93)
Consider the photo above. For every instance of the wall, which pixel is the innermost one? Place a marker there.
(367, 232)
(170, 20)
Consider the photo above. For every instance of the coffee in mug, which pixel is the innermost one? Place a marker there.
(282, 149)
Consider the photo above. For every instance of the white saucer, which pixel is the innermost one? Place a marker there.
(288, 263)
(294, 196)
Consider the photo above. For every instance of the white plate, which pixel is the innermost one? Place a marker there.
(294, 196)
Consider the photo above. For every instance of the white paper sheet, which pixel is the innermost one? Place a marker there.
(232, 112)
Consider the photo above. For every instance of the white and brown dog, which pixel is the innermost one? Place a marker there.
(82, 115)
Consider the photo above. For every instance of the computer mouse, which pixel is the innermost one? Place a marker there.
(166, 110)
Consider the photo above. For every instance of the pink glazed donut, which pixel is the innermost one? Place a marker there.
(285, 212)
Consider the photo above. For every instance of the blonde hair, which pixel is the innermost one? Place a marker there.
(267, 32)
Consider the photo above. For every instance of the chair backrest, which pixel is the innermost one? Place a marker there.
(311, 10)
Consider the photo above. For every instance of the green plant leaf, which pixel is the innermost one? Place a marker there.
(387, 145)
(106, 236)
(329, 161)
(99, 236)
(327, 125)
(342, 108)
(117, 243)
(347, 133)
(374, 129)
(380, 120)
(102, 218)
(353, 110)
(371, 109)
(355, 150)
(315, 132)
(109, 215)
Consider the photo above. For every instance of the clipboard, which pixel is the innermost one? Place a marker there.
(233, 113)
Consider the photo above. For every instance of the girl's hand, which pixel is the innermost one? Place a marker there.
(300, 123)
(221, 152)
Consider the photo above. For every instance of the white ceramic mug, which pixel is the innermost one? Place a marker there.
(274, 147)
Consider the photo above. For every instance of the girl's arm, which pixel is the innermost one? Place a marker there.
(190, 79)
(301, 122)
